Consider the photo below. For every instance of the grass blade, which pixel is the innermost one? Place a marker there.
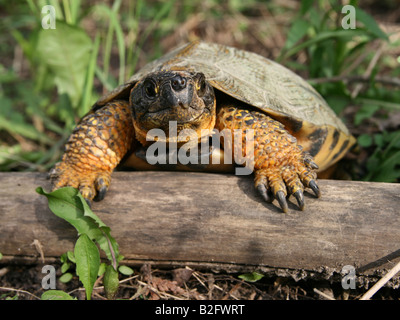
(87, 93)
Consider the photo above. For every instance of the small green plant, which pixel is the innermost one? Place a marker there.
(67, 259)
(56, 295)
(251, 277)
(317, 33)
(68, 204)
(383, 164)
(343, 65)
(38, 113)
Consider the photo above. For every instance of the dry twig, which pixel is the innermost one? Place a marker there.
(19, 291)
(326, 296)
(381, 282)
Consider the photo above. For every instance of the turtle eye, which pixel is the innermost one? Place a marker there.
(150, 89)
(201, 85)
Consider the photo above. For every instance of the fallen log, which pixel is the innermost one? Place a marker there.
(213, 220)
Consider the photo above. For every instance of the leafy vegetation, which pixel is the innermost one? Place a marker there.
(344, 67)
(68, 204)
(63, 61)
(251, 277)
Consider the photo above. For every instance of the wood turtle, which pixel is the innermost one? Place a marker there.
(199, 90)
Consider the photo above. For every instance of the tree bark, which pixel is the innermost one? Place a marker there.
(214, 220)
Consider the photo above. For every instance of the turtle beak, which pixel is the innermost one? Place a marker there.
(177, 93)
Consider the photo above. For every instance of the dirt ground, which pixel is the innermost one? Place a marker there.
(24, 282)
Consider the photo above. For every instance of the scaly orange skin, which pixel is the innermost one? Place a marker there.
(108, 133)
(104, 137)
(94, 149)
(280, 165)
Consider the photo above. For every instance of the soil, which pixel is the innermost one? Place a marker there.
(24, 282)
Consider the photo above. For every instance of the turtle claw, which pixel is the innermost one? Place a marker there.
(281, 197)
(101, 193)
(314, 187)
(310, 163)
(101, 184)
(282, 183)
(92, 185)
(262, 189)
(300, 199)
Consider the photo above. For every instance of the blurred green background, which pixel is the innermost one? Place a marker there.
(49, 78)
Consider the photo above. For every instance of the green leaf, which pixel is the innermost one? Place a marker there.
(337, 102)
(63, 258)
(87, 262)
(370, 23)
(297, 31)
(87, 99)
(366, 111)
(14, 121)
(65, 267)
(379, 140)
(364, 140)
(75, 6)
(125, 270)
(71, 256)
(320, 37)
(68, 204)
(383, 165)
(56, 295)
(115, 26)
(111, 282)
(383, 169)
(66, 277)
(306, 6)
(102, 269)
(251, 277)
(66, 52)
(390, 106)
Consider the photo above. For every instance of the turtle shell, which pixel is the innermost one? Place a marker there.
(263, 84)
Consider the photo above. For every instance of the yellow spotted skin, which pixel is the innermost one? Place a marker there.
(113, 131)
(94, 149)
(280, 164)
(103, 137)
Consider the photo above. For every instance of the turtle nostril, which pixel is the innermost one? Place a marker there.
(178, 83)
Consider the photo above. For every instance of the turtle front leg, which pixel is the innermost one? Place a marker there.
(281, 168)
(94, 149)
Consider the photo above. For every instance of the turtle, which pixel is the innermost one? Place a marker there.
(286, 134)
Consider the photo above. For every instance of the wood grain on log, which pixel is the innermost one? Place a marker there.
(184, 218)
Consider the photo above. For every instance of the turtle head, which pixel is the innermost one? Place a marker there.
(172, 101)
